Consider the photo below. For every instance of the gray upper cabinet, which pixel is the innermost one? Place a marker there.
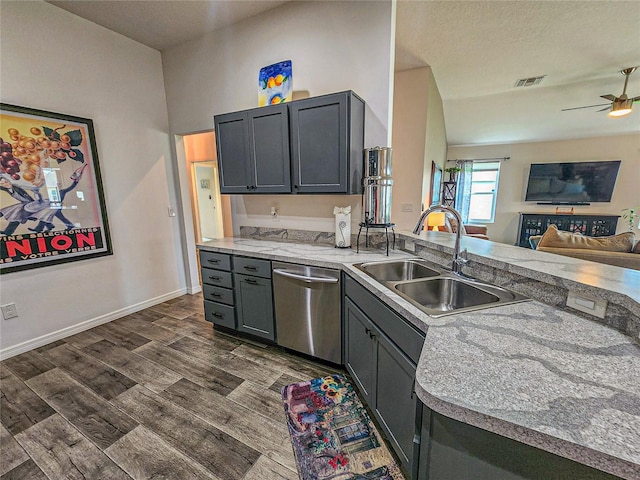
(327, 141)
(253, 150)
(314, 145)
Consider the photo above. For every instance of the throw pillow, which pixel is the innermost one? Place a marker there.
(636, 249)
(534, 240)
(623, 242)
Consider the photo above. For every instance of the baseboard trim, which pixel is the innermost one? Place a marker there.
(86, 325)
(194, 290)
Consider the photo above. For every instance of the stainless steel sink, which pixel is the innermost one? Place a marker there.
(448, 294)
(397, 270)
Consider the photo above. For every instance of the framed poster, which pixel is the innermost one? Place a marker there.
(436, 182)
(51, 200)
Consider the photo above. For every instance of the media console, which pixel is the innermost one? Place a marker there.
(591, 225)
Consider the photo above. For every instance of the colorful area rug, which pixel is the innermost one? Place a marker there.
(332, 434)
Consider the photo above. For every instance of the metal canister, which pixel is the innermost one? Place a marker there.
(377, 194)
(377, 186)
(377, 162)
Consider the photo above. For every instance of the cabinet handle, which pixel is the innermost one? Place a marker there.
(213, 260)
(248, 187)
(211, 277)
(217, 295)
(367, 331)
(250, 268)
(218, 315)
(295, 186)
(251, 281)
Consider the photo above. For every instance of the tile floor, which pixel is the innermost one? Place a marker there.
(156, 394)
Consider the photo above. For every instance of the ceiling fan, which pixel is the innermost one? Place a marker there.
(619, 106)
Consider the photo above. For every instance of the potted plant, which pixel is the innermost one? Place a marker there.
(630, 216)
(452, 171)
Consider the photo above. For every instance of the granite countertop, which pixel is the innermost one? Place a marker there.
(526, 371)
(603, 280)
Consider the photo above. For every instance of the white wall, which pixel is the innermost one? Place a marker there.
(436, 140)
(419, 137)
(334, 46)
(410, 103)
(514, 174)
(55, 61)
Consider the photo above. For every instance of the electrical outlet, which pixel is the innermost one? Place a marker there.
(9, 311)
(409, 245)
(592, 305)
(407, 207)
(172, 212)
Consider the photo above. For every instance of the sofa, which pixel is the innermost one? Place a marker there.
(620, 250)
(451, 226)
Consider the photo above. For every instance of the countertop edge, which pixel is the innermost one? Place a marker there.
(558, 446)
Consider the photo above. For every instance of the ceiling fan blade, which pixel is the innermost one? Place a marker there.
(609, 97)
(635, 99)
(605, 109)
(586, 106)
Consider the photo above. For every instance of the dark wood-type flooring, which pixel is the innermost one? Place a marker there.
(153, 395)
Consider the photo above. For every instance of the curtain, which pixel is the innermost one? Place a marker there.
(463, 188)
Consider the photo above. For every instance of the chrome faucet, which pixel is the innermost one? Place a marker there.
(459, 259)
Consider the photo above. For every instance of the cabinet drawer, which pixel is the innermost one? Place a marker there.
(219, 314)
(252, 266)
(217, 278)
(220, 261)
(405, 336)
(217, 294)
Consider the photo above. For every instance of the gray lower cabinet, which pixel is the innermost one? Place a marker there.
(456, 450)
(360, 350)
(217, 289)
(253, 150)
(237, 293)
(381, 352)
(254, 297)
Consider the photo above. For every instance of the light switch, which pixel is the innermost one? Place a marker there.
(407, 207)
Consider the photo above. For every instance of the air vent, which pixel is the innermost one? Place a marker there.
(529, 82)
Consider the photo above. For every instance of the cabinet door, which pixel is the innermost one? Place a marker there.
(254, 306)
(232, 140)
(269, 149)
(319, 156)
(359, 350)
(396, 404)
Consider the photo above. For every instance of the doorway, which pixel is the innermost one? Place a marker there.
(211, 211)
(209, 215)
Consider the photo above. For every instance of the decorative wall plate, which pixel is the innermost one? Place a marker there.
(274, 84)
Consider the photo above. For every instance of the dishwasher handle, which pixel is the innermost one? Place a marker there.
(304, 278)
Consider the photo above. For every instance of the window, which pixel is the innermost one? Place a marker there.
(484, 190)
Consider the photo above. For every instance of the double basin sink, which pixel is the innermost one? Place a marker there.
(437, 293)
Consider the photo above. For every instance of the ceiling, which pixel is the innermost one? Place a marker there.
(476, 49)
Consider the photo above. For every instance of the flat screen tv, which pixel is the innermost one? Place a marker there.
(575, 183)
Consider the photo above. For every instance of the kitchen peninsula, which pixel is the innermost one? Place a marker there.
(529, 371)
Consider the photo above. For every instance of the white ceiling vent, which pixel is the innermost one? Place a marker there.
(529, 82)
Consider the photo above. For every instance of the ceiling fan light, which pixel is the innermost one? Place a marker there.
(621, 108)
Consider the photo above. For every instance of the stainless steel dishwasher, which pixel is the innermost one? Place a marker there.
(307, 306)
